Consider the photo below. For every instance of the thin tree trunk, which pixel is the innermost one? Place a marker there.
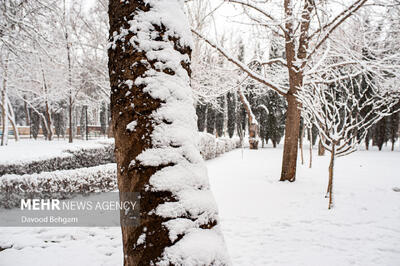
(311, 146)
(301, 144)
(11, 118)
(4, 110)
(367, 139)
(70, 133)
(321, 148)
(86, 122)
(145, 125)
(27, 118)
(290, 149)
(330, 183)
(71, 102)
(49, 122)
(253, 124)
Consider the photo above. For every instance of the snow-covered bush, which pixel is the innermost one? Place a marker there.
(211, 147)
(207, 145)
(220, 147)
(49, 180)
(61, 184)
(71, 159)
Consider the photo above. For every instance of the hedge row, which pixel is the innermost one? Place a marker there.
(57, 184)
(211, 147)
(71, 159)
(102, 178)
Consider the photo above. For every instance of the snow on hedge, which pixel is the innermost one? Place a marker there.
(61, 183)
(211, 147)
(72, 158)
(100, 178)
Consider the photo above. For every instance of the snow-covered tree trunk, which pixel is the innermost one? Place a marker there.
(11, 117)
(154, 125)
(329, 192)
(4, 105)
(253, 124)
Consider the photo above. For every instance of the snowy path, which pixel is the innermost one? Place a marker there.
(265, 222)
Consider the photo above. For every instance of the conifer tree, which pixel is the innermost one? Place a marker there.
(210, 118)
(220, 116)
(103, 119)
(201, 112)
(82, 122)
(59, 123)
(35, 123)
(231, 102)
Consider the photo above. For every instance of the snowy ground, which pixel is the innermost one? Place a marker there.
(265, 222)
(29, 149)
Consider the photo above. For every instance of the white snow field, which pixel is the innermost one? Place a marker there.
(26, 150)
(265, 222)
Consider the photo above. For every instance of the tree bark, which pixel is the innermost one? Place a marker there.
(70, 133)
(321, 149)
(330, 183)
(301, 143)
(4, 110)
(27, 118)
(49, 122)
(311, 146)
(11, 118)
(253, 124)
(136, 110)
(290, 149)
(292, 123)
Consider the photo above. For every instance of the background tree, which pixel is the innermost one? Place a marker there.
(394, 122)
(210, 118)
(103, 118)
(59, 123)
(201, 112)
(231, 108)
(340, 116)
(82, 122)
(306, 28)
(220, 116)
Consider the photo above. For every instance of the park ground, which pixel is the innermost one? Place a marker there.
(264, 221)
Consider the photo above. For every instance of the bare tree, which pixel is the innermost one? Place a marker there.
(305, 28)
(343, 112)
(154, 124)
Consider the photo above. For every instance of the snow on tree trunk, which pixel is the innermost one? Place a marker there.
(329, 191)
(253, 124)
(11, 118)
(4, 110)
(154, 124)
